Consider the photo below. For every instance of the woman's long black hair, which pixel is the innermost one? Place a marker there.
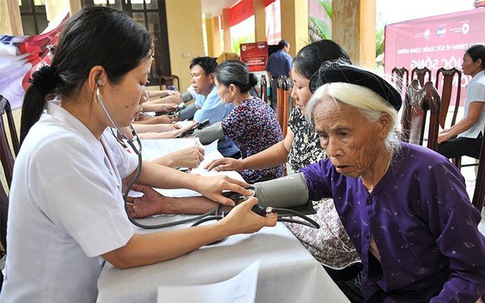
(94, 36)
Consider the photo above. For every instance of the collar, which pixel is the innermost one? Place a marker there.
(71, 121)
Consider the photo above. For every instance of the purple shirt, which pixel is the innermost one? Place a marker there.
(253, 126)
(423, 223)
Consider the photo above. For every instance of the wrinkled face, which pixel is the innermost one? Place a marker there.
(300, 92)
(351, 141)
(469, 67)
(224, 92)
(201, 82)
(124, 100)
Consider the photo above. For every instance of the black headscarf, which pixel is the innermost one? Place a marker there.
(341, 72)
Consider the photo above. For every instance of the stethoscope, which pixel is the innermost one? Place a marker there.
(215, 214)
(133, 142)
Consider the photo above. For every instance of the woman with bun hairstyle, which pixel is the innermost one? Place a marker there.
(252, 124)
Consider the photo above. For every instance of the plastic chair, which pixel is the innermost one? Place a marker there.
(414, 122)
(7, 151)
(422, 74)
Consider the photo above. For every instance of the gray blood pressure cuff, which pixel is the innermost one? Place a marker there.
(285, 192)
(210, 133)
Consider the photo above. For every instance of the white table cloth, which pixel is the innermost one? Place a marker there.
(288, 272)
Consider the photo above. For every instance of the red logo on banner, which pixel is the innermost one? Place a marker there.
(434, 42)
(255, 55)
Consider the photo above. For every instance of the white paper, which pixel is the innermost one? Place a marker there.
(239, 289)
(154, 148)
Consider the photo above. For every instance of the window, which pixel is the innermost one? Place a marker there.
(33, 15)
(152, 15)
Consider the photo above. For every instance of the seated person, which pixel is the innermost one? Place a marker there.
(187, 157)
(67, 210)
(404, 206)
(208, 103)
(145, 118)
(153, 203)
(160, 107)
(160, 130)
(227, 56)
(163, 93)
(162, 110)
(465, 137)
(252, 124)
(329, 244)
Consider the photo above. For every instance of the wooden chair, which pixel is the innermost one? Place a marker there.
(169, 80)
(414, 122)
(3, 216)
(264, 89)
(3, 224)
(282, 102)
(448, 76)
(400, 77)
(6, 151)
(7, 158)
(422, 74)
(479, 193)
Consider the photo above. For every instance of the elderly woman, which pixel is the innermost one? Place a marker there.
(329, 244)
(405, 207)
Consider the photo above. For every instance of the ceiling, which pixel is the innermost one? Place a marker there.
(214, 7)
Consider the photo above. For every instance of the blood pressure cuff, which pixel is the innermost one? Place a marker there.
(188, 112)
(210, 133)
(286, 192)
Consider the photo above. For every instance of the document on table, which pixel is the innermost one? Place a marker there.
(154, 148)
(239, 289)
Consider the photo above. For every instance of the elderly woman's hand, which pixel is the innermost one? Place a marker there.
(225, 164)
(186, 157)
(175, 93)
(151, 203)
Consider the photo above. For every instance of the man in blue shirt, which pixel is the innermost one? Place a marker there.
(207, 101)
(279, 64)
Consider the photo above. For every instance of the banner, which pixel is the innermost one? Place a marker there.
(434, 42)
(21, 56)
(255, 55)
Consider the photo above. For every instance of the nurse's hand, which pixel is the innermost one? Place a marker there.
(241, 219)
(213, 186)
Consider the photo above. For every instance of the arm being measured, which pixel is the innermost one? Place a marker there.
(284, 192)
(209, 134)
(153, 203)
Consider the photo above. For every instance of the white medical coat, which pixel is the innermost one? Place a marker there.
(66, 209)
